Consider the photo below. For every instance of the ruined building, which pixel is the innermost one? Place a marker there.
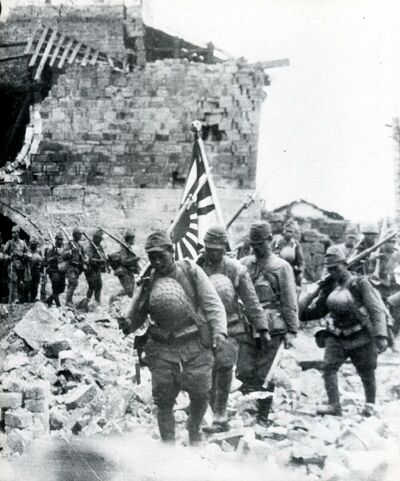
(96, 113)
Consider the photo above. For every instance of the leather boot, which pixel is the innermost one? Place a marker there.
(197, 409)
(69, 295)
(332, 390)
(220, 394)
(166, 424)
(369, 384)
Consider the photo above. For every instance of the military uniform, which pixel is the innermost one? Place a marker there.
(96, 265)
(75, 255)
(291, 251)
(178, 351)
(3, 274)
(232, 282)
(35, 262)
(18, 274)
(56, 267)
(357, 319)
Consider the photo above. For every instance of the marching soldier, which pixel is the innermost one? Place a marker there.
(289, 248)
(370, 234)
(3, 274)
(188, 319)
(125, 264)
(75, 256)
(96, 265)
(349, 245)
(16, 252)
(232, 282)
(275, 286)
(56, 268)
(35, 262)
(357, 329)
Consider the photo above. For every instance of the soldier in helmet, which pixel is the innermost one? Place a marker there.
(35, 262)
(3, 274)
(357, 329)
(56, 268)
(96, 265)
(16, 252)
(74, 254)
(125, 264)
(350, 242)
(274, 282)
(232, 282)
(188, 319)
(289, 248)
(370, 234)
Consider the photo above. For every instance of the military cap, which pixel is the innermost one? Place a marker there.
(215, 237)
(260, 231)
(76, 230)
(33, 240)
(129, 234)
(334, 256)
(158, 241)
(275, 217)
(98, 233)
(59, 235)
(370, 229)
(351, 230)
(15, 228)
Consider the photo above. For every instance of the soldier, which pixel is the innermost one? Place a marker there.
(350, 241)
(125, 264)
(289, 248)
(274, 282)
(275, 219)
(56, 268)
(16, 251)
(232, 281)
(75, 256)
(357, 329)
(370, 234)
(3, 274)
(96, 265)
(35, 261)
(188, 319)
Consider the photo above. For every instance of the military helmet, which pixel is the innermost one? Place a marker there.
(168, 303)
(334, 256)
(260, 231)
(340, 301)
(76, 230)
(224, 287)
(98, 234)
(33, 240)
(16, 228)
(129, 234)
(59, 235)
(215, 237)
(370, 229)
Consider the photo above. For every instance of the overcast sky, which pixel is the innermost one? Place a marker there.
(323, 136)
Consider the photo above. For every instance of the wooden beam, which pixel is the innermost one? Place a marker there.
(94, 58)
(13, 44)
(110, 61)
(46, 54)
(65, 53)
(38, 47)
(31, 40)
(57, 49)
(86, 57)
(74, 53)
(14, 57)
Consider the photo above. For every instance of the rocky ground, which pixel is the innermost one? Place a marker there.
(71, 380)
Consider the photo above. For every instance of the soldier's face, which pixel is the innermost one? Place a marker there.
(15, 234)
(370, 239)
(260, 249)
(214, 256)
(97, 240)
(351, 240)
(130, 240)
(288, 234)
(337, 272)
(162, 261)
(59, 242)
(77, 236)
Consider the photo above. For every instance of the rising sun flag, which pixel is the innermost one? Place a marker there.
(203, 209)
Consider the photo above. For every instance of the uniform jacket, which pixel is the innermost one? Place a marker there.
(95, 261)
(129, 261)
(274, 282)
(369, 309)
(245, 291)
(35, 260)
(17, 250)
(296, 256)
(198, 288)
(75, 254)
(52, 257)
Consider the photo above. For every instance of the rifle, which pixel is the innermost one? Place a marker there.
(120, 242)
(51, 239)
(99, 253)
(375, 274)
(70, 239)
(250, 199)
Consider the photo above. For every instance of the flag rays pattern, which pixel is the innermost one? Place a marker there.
(188, 234)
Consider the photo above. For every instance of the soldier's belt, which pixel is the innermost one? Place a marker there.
(345, 332)
(182, 335)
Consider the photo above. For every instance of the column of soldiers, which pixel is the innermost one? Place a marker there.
(24, 267)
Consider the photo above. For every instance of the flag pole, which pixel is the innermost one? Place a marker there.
(196, 126)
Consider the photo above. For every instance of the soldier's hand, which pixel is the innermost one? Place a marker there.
(218, 339)
(381, 344)
(288, 340)
(265, 339)
(124, 325)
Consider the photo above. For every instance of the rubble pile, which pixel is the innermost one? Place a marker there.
(65, 373)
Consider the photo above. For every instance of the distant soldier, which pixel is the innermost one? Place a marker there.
(3, 274)
(287, 247)
(74, 254)
(188, 319)
(35, 263)
(232, 282)
(275, 220)
(358, 329)
(125, 264)
(56, 268)
(350, 241)
(370, 234)
(242, 249)
(96, 265)
(274, 282)
(16, 252)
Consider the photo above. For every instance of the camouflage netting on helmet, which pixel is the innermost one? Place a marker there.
(224, 287)
(168, 303)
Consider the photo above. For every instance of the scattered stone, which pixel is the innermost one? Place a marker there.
(53, 348)
(10, 400)
(14, 361)
(80, 396)
(36, 405)
(19, 439)
(57, 418)
(37, 390)
(308, 455)
(18, 418)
